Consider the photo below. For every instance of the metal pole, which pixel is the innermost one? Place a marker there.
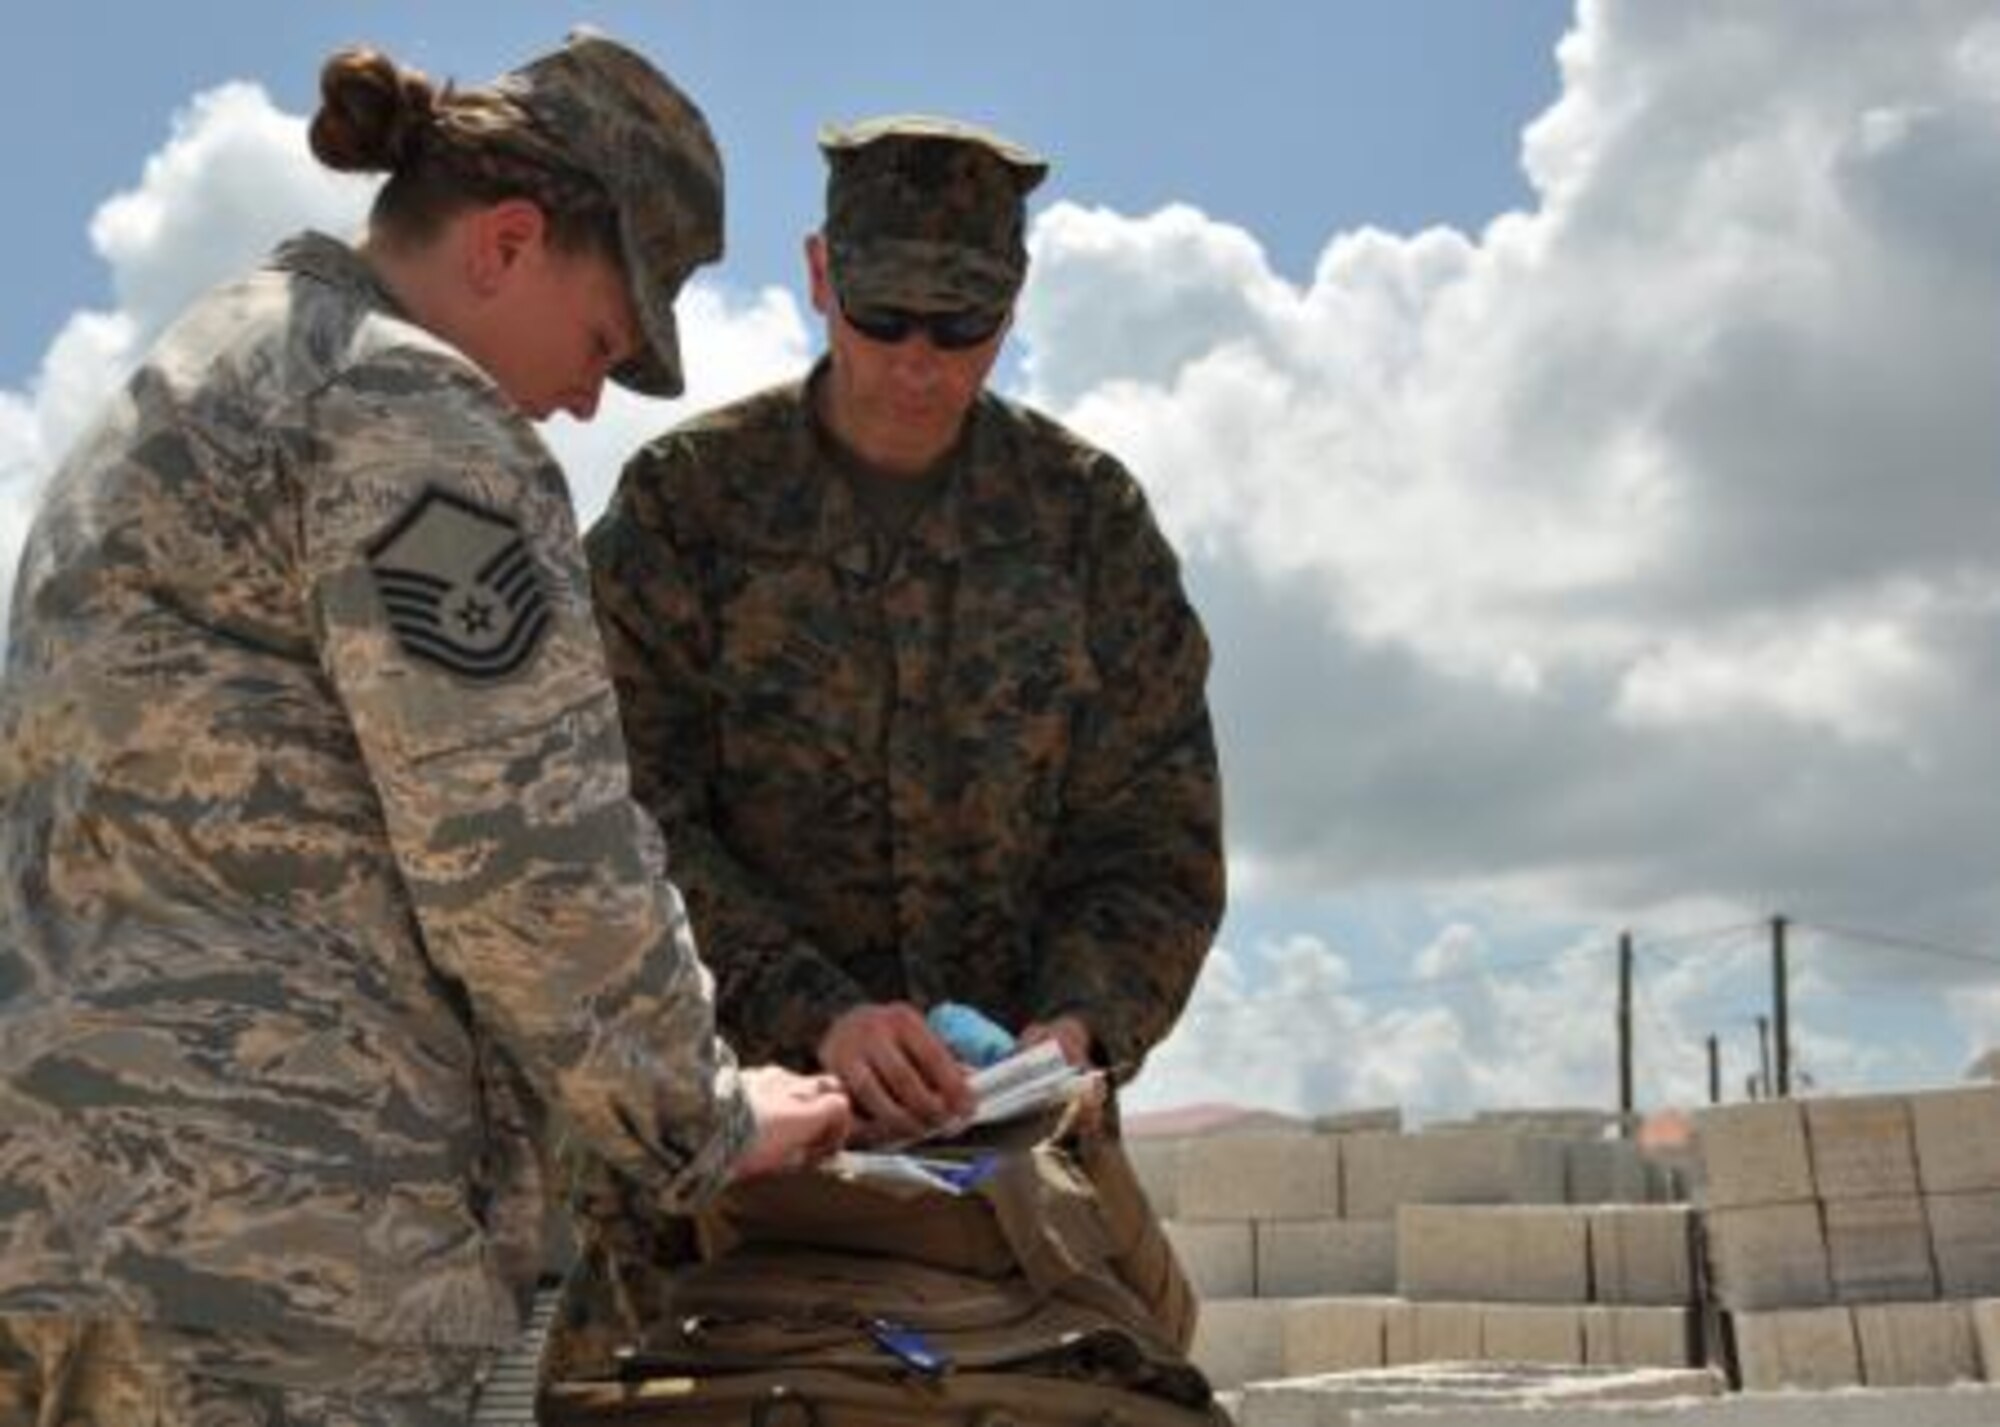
(1715, 1070)
(1625, 1105)
(1764, 1057)
(1781, 1010)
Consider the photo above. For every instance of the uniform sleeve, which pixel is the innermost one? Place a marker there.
(448, 585)
(1135, 886)
(777, 992)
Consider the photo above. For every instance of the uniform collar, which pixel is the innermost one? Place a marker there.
(331, 261)
(984, 503)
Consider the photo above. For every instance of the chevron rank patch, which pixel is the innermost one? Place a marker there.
(460, 587)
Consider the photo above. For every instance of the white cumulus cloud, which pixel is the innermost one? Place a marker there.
(1627, 549)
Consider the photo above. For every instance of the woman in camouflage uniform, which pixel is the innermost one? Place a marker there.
(324, 910)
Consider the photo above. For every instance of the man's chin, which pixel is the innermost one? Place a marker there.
(924, 422)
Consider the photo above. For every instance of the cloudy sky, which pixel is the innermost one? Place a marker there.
(1581, 425)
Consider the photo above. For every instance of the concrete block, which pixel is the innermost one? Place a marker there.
(1862, 1146)
(1282, 1404)
(1260, 1176)
(1399, 1332)
(1916, 1344)
(1324, 1335)
(1605, 1172)
(1448, 1332)
(1531, 1333)
(1986, 1333)
(1768, 1256)
(1384, 1119)
(1921, 1407)
(1561, 1122)
(1412, 1395)
(1219, 1256)
(1372, 1175)
(1958, 1138)
(1239, 1340)
(1493, 1253)
(1754, 1153)
(1965, 1242)
(1380, 1172)
(1642, 1253)
(1797, 1348)
(1432, 1333)
(1639, 1337)
(1308, 1258)
(1879, 1250)
(1157, 1163)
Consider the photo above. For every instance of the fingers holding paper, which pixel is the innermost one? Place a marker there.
(903, 1081)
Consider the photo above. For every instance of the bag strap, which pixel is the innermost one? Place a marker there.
(1072, 1211)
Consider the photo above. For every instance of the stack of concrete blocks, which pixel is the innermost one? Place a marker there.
(1601, 1285)
(1341, 1399)
(1291, 1239)
(1256, 1220)
(1850, 1239)
(1975, 1406)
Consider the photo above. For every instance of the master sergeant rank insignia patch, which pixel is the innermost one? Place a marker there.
(460, 587)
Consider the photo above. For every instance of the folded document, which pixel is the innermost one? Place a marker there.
(900, 1170)
(1026, 1081)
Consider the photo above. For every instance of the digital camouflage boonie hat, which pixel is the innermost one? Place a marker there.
(926, 214)
(621, 121)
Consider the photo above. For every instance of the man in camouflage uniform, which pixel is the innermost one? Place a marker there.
(908, 673)
(323, 903)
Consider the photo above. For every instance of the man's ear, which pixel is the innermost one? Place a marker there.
(821, 286)
(498, 236)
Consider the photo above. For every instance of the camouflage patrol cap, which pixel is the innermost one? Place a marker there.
(621, 121)
(926, 214)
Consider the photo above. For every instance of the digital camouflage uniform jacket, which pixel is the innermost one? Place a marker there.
(982, 769)
(319, 871)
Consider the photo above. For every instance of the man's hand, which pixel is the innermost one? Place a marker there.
(801, 1119)
(902, 1078)
(1069, 1032)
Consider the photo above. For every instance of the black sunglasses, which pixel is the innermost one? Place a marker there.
(948, 331)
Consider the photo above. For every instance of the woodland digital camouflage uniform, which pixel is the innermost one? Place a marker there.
(926, 213)
(319, 877)
(975, 763)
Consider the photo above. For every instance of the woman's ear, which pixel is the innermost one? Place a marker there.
(498, 236)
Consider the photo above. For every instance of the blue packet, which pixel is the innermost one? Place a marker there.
(908, 1346)
(974, 1039)
(970, 1175)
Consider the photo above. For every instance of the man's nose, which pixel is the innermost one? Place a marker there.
(917, 360)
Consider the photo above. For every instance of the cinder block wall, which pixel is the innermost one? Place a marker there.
(1850, 1239)
(1311, 1224)
(1848, 1242)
